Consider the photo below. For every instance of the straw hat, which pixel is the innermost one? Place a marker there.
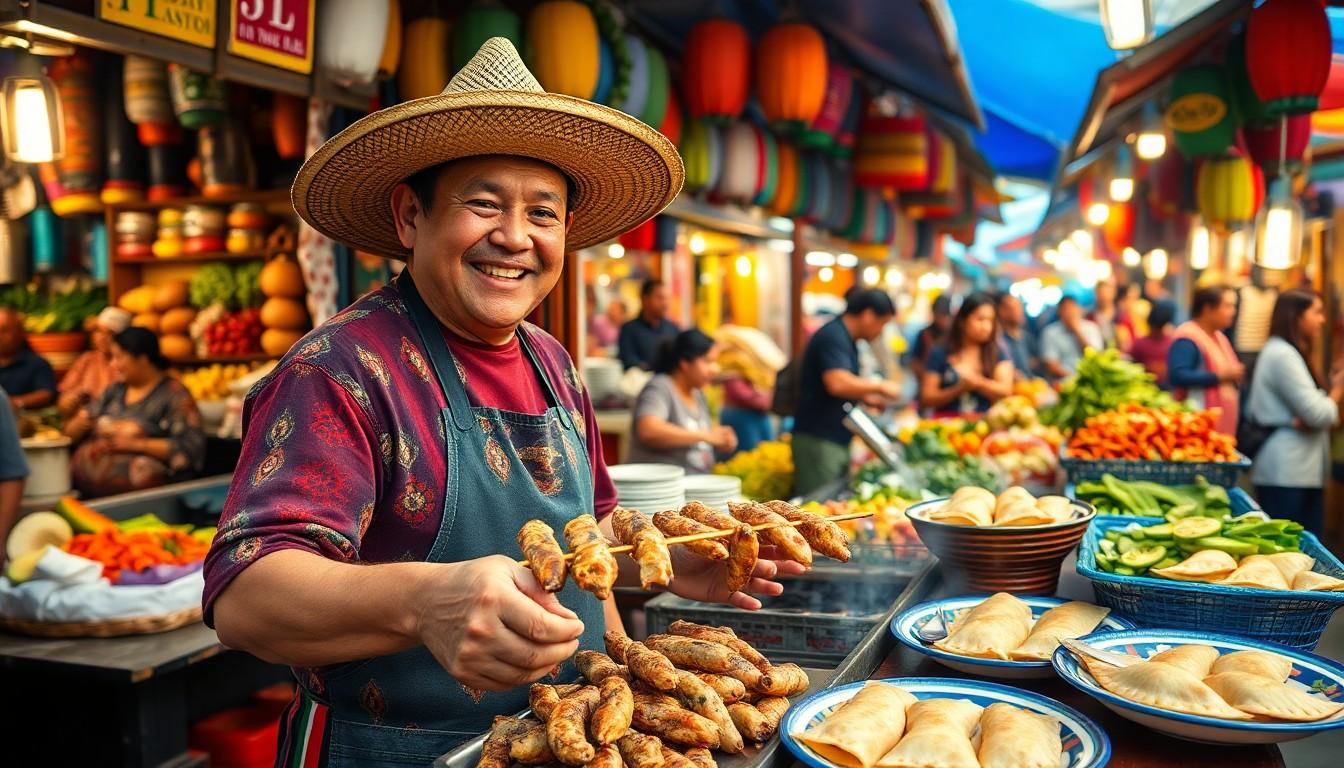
(623, 171)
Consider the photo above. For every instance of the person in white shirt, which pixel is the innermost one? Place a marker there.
(1064, 341)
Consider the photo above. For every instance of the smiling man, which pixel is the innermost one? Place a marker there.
(390, 459)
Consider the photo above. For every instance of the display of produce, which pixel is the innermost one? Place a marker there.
(1136, 432)
(37, 531)
(1014, 507)
(211, 382)
(885, 521)
(1002, 627)
(60, 311)
(1239, 551)
(766, 470)
(1113, 496)
(1104, 381)
(1198, 680)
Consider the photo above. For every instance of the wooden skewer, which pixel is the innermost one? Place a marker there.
(718, 534)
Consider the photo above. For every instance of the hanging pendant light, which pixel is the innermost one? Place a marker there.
(1200, 249)
(33, 124)
(1127, 23)
(1122, 182)
(1278, 228)
(1238, 251)
(1098, 213)
(1131, 257)
(1151, 142)
(1155, 264)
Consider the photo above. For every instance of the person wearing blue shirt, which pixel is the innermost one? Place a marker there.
(1014, 336)
(829, 378)
(13, 471)
(638, 340)
(27, 378)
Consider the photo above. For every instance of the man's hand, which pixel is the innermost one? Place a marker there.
(493, 627)
(723, 439)
(889, 390)
(696, 578)
(1232, 374)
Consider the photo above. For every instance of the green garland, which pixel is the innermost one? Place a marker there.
(610, 30)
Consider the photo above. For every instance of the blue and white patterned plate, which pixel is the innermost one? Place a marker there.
(1085, 744)
(907, 624)
(1311, 673)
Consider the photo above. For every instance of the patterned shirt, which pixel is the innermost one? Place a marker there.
(343, 452)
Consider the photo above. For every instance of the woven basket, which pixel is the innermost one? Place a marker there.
(136, 625)
(1224, 473)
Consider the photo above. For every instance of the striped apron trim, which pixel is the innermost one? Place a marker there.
(303, 733)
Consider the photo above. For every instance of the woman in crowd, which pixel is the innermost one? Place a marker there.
(1202, 365)
(968, 373)
(671, 421)
(144, 431)
(1151, 351)
(93, 371)
(1289, 396)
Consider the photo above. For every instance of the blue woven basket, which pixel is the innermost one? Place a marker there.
(1292, 618)
(1223, 473)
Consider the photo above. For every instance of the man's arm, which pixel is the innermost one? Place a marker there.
(40, 398)
(1185, 367)
(842, 384)
(11, 498)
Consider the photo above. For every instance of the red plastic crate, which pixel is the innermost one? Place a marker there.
(238, 738)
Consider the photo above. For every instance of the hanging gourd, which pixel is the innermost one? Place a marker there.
(741, 163)
(289, 125)
(606, 72)
(655, 101)
(479, 22)
(892, 152)
(1285, 139)
(124, 180)
(819, 195)
(562, 48)
(824, 129)
(198, 98)
(1250, 110)
(716, 69)
(767, 169)
(423, 70)
(81, 169)
(145, 81)
(1225, 190)
(352, 36)
(1288, 52)
(671, 125)
(786, 190)
(1200, 115)
(791, 75)
(848, 134)
(636, 90)
(391, 55)
(1118, 231)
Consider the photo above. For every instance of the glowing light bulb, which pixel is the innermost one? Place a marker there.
(1201, 246)
(697, 244)
(871, 275)
(1127, 23)
(826, 274)
(1122, 189)
(1155, 264)
(1098, 213)
(1131, 257)
(743, 265)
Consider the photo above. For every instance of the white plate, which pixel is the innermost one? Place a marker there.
(645, 473)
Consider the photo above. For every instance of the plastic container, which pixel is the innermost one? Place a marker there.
(238, 738)
(1168, 472)
(1292, 618)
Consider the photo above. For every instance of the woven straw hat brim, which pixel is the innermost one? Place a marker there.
(623, 171)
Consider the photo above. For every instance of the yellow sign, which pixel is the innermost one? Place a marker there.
(1195, 112)
(275, 32)
(191, 21)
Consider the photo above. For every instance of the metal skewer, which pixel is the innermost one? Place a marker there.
(718, 534)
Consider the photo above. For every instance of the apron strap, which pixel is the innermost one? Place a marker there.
(440, 357)
(551, 395)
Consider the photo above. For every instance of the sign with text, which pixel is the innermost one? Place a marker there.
(275, 32)
(191, 21)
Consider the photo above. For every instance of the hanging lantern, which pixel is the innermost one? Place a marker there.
(125, 156)
(862, 207)
(1199, 248)
(716, 69)
(786, 190)
(80, 170)
(791, 75)
(289, 125)
(391, 55)
(562, 48)
(637, 80)
(641, 238)
(702, 152)
(198, 98)
(842, 197)
(350, 45)
(939, 198)
(423, 70)
(1225, 190)
(819, 193)
(849, 125)
(1151, 142)
(1127, 23)
(1250, 110)
(1118, 231)
(767, 170)
(671, 125)
(1288, 54)
(1286, 138)
(34, 124)
(1278, 229)
(741, 163)
(803, 193)
(145, 82)
(479, 22)
(655, 100)
(892, 152)
(606, 71)
(1121, 186)
(1199, 114)
(1170, 185)
(822, 132)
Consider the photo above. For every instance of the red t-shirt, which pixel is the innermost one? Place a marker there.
(498, 377)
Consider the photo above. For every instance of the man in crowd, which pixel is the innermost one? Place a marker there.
(24, 375)
(1064, 341)
(640, 336)
(1014, 337)
(932, 335)
(829, 378)
(13, 471)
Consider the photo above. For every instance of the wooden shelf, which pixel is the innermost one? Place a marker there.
(194, 258)
(268, 196)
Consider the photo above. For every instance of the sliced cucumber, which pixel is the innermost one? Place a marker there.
(1166, 562)
(1125, 544)
(1125, 570)
(1230, 546)
(1106, 565)
(1192, 528)
(1112, 535)
(1144, 557)
(1160, 531)
(1108, 547)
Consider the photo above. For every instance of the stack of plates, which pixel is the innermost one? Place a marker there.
(602, 376)
(648, 488)
(714, 491)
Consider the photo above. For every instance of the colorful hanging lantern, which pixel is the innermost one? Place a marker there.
(938, 199)
(125, 166)
(849, 126)
(1170, 186)
(637, 80)
(391, 55)
(481, 21)
(767, 169)
(819, 193)
(716, 69)
(145, 81)
(606, 71)
(822, 132)
(655, 100)
(1288, 54)
(563, 49)
(641, 238)
(702, 152)
(671, 125)
(1118, 231)
(1225, 190)
(842, 197)
(791, 75)
(424, 59)
(892, 152)
(1200, 114)
(806, 182)
(80, 170)
(350, 45)
(289, 125)
(786, 190)
(1285, 139)
(741, 163)
(1250, 110)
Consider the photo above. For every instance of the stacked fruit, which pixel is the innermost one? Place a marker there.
(766, 470)
(235, 334)
(163, 309)
(283, 315)
(211, 382)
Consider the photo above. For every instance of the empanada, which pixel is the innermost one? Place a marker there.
(1206, 565)
(1017, 738)
(1256, 571)
(937, 733)
(858, 732)
(1291, 563)
(990, 630)
(1072, 619)
(1262, 663)
(968, 506)
(1058, 507)
(1163, 686)
(1195, 659)
(1009, 498)
(1311, 581)
(1019, 513)
(1263, 696)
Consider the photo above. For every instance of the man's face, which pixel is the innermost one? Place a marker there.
(492, 244)
(657, 303)
(11, 333)
(1070, 313)
(1010, 312)
(871, 324)
(1226, 312)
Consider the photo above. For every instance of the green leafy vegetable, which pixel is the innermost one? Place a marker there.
(214, 283)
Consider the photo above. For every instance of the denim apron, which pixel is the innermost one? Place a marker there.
(504, 468)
